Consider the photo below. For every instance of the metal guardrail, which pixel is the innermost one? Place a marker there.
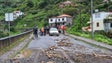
(4, 42)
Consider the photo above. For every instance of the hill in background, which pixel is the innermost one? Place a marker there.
(37, 12)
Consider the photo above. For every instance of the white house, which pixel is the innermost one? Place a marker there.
(63, 19)
(52, 21)
(17, 14)
(101, 21)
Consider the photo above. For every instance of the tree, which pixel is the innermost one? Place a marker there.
(77, 26)
(42, 4)
(30, 4)
(71, 11)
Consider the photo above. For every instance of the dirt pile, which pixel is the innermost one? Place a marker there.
(90, 58)
(65, 42)
(52, 57)
(51, 48)
(54, 54)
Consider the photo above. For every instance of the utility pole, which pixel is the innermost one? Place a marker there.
(92, 18)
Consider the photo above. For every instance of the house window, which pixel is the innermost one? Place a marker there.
(97, 24)
(97, 15)
(111, 25)
(58, 19)
(51, 20)
(63, 19)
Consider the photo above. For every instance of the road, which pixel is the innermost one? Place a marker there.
(63, 49)
(44, 42)
(54, 44)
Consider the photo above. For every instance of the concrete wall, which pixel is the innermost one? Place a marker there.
(100, 27)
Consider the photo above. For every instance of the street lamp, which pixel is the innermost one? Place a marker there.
(92, 18)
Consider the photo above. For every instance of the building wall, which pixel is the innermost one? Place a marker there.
(110, 26)
(98, 25)
(52, 20)
(69, 21)
(61, 20)
(106, 27)
(99, 16)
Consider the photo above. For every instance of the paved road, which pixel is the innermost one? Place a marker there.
(45, 41)
(42, 42)
(78, 52)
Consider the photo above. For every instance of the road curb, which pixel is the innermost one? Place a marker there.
(90, 41)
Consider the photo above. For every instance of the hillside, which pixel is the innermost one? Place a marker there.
(37, 12)
(40, 10)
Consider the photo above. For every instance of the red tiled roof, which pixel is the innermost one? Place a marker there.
(64, 15)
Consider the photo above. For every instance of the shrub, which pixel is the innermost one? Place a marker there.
(3, 34)
(30, 4)
(109, 34)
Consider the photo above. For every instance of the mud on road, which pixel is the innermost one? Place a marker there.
(64, 52)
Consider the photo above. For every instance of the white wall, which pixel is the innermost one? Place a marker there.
(52, 20)
(60, 20)
(101, 25)
(99, 16)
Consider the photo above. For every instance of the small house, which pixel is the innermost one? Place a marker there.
(101, 21)
(63, 19)
(17, 14)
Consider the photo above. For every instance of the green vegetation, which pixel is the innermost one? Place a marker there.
(83, 17)
(3, 34)
(37, 13)
(98, 37)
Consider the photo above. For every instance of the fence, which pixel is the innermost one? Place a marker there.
(4, 42)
